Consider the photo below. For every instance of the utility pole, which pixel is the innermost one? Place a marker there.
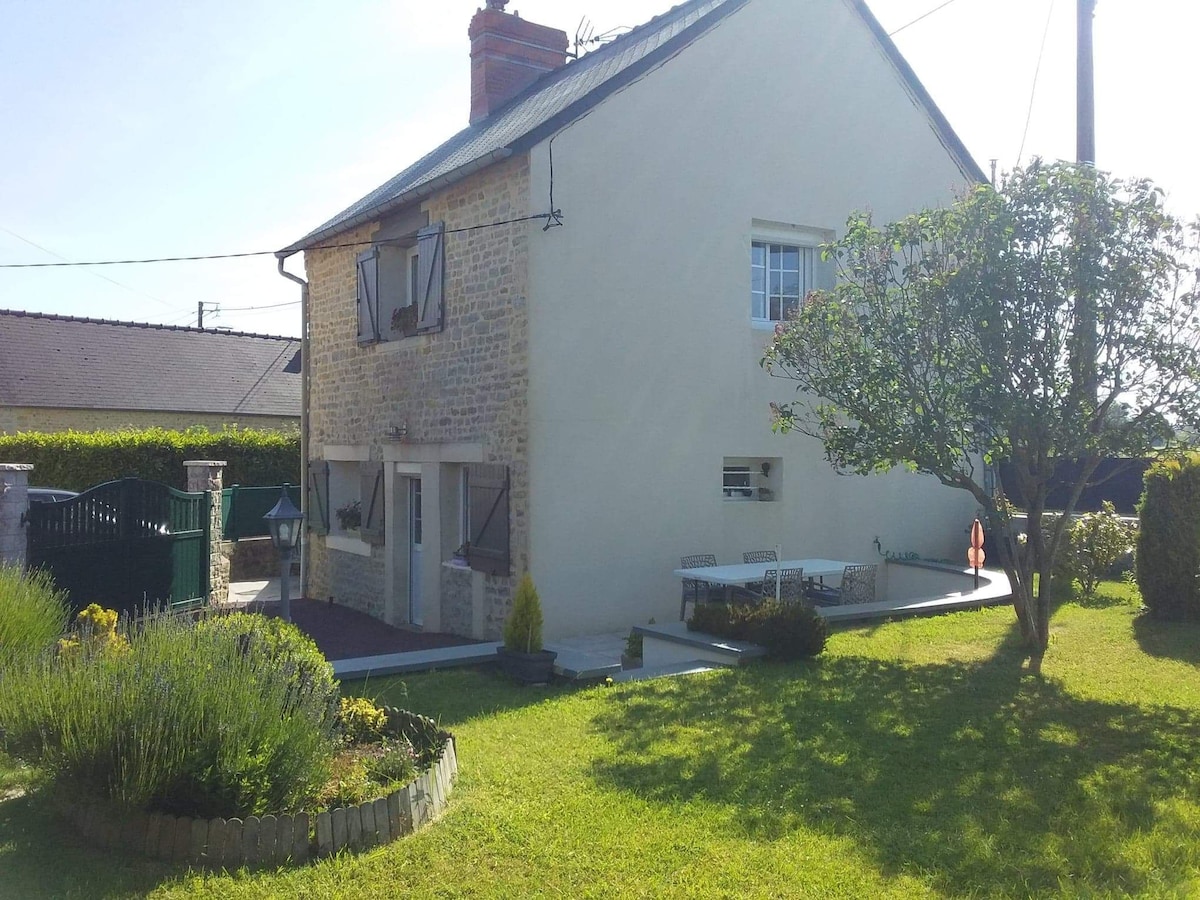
(1085, 92)
(200, 311)
(1086, 341)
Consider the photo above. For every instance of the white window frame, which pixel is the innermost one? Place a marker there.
(807, 241)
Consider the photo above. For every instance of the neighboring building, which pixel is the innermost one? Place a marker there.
(585, 402)
(63, 372)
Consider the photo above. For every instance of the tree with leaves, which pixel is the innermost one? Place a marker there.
(1053, 319)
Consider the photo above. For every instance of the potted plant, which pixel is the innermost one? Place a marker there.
(521, 655)
(632, 657)
(350, 515)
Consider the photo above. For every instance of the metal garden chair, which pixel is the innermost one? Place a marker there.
(757, 589)
(695, 585)
(858, 586)
(791, 584)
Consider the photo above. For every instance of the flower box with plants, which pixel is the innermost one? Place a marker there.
(349, 515)
(522, 656)
(218, 741)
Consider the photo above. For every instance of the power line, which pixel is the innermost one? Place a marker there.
(225, 309)
(919, 18)
(1033, 90)
(50, 252)
(556, 215)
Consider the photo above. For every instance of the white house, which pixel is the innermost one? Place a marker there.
(579, 394)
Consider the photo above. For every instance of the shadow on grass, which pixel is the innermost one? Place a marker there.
(454, 696)
(1168, 640)
(971, 776)
(40, 857)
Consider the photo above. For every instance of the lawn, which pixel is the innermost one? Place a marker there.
(913, 759)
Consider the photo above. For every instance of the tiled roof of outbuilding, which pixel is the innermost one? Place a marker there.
(68, 362)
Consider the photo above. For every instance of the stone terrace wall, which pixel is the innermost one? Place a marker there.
(467, 383)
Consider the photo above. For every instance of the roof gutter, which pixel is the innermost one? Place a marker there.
(419, 192)
(304, 377)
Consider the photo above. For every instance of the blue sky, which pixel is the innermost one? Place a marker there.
(140, 129)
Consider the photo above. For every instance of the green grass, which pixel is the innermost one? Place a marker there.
(913, 759)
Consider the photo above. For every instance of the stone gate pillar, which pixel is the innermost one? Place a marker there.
(207, 475)
(14, 503)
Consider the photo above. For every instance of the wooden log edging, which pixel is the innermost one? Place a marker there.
(288, 838)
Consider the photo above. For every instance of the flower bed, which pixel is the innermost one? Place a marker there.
(280, 839)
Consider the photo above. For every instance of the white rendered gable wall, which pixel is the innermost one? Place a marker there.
(644, 368)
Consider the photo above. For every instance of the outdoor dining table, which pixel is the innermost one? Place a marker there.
(746, 573)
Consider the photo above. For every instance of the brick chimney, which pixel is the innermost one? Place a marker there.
(507, 55)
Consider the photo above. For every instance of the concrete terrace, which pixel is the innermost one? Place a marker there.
(594, 657)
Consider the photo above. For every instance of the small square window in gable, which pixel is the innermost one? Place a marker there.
(751, 478)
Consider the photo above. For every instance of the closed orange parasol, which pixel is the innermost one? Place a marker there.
(976, 556)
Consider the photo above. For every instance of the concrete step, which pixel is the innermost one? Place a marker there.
(673, 644)
(579, 666)
(645, 673)
(414, 661)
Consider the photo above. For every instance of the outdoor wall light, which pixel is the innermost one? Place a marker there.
(283, 521)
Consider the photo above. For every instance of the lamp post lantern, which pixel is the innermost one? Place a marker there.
(284, 523)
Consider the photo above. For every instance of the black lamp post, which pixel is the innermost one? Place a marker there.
(284, 522)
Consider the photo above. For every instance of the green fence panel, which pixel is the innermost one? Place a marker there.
(243, 508)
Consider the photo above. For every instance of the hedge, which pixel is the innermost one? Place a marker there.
(77, 460)
(1168, 542)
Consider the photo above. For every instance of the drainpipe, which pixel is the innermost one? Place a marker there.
(304, 373)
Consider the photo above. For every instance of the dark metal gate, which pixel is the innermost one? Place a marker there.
(126, 545)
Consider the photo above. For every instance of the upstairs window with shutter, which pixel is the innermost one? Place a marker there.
(401, 287)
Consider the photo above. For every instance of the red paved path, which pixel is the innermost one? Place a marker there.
(343, 633)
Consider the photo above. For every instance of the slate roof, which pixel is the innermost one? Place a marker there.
(565, 94)
(68, 362)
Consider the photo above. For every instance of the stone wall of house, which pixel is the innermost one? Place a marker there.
(45, 419)
(467, 383)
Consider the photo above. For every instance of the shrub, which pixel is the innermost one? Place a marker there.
(1095, 541)
(1168, 540)
(95, 631)
(33, 615)
(286, 646)
(197, 721)
(395, 765)
(81, 459)
(361, 720)
(787, 630)
(523, 628)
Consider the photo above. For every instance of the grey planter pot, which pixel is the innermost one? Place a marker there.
(527, 668)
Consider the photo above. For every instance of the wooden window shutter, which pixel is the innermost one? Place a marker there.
(487, 488)
(371, 479)
(368, 296)
(431, 277)
(318, 496)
